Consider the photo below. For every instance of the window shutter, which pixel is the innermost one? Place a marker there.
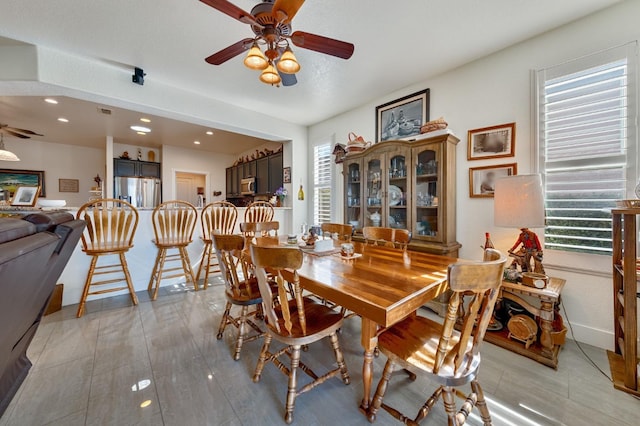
(322, 183)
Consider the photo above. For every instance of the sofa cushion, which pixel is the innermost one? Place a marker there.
(12, 229)
(49, 220)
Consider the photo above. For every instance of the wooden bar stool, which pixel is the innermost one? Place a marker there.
(447, 356)
(173, 226)
(388, 237)
(219, 217)
(111, 226)
(241, 289)
(259, 211)
(293, 321)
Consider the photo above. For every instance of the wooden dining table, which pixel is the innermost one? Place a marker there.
(383, 286)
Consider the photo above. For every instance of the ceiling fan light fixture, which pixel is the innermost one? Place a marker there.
(288, 63)
(255, 59)
(4, 154)
(270, 76)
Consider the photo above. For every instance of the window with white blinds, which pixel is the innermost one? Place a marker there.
(322, 183)
(587, 140)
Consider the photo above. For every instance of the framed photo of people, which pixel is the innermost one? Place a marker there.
(482, 180)
(492, 142)
(402, 118)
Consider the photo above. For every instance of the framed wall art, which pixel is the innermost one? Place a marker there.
(68, 185)
(286, 175)
(11, 179)
(482, 180)
(492, 142)
(401, 119)
(25, 196)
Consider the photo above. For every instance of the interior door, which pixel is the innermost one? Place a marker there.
(186, 190)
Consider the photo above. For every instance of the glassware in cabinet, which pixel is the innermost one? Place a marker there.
(353, 206)
(427, 191)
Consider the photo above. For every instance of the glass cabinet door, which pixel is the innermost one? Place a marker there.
(374, 192)
(354, 199)
(397, 190)
(426, 193)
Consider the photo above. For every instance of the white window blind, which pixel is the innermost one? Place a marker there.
(322, 183)
(587, 136)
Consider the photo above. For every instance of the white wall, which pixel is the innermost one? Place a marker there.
(495, 90)
(132, 150)
(59, 161)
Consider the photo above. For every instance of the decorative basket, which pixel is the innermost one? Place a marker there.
(356, 143)
(434, 125)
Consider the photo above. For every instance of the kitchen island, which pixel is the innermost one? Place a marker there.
(142, 256)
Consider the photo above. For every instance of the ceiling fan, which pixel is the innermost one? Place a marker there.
(270, 21)
(19, 133)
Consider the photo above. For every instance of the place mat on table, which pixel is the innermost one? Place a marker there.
(322, 253)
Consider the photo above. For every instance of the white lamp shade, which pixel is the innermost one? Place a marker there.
(519, 202)
(8, 156)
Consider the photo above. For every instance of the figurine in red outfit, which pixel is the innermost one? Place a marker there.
(530, 249)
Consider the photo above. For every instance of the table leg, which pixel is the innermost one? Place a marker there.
(369, 342)
(546, 327)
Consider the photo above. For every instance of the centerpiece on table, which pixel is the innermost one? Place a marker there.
(279, 196)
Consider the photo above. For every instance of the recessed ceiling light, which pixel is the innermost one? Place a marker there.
(141, 133)
(63, 120)
(196, 142)
(145, 120)
(140, 129)
(51, 101)
(210, 133)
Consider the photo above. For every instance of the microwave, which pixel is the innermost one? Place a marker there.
(248, 186)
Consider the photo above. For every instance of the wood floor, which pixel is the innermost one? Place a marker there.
(160, 364)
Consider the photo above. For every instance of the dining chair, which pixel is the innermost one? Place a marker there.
(448, 356)
(241, 289)
(111, 226)
(220, 217)
(173, 226)
(344, 231)
(259, 211)
(388, 237)
(260, 229)
(294, 321)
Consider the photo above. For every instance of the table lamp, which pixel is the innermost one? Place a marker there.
(519, 203)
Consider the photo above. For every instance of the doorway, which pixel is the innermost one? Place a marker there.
(191, 187)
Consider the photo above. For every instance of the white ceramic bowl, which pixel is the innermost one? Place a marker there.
(51, 203)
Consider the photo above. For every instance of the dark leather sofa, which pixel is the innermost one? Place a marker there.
(33, 252)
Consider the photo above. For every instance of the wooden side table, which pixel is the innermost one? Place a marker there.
(545, 351)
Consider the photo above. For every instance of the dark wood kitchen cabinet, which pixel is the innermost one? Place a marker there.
(134, 168)
(266, 170)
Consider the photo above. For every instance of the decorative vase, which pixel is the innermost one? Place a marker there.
(278, 202)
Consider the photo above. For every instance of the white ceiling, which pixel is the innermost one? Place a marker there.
(398, 43)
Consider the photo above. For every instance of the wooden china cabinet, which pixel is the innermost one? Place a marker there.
(409, 185)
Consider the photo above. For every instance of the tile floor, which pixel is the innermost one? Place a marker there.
(160, 364)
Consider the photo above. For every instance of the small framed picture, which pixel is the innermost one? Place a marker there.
(25, 196)
(401, 119)
(286, 175)
(492, 142)
(68, 185)
(482, 180)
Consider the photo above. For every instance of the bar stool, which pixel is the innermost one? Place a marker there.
(111, 226)
(259, 211)
(173, 226)
(218, 217)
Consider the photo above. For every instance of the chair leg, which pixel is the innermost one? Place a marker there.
(204, 258)
(481, 403)
(242, 329)
(87, 285)
(186, 265)
(127, 277)
(263, 358)
(224, 321)
(340, 358)
(154, 271)
(205, 283)
(293, 379)
(380, 390)
(449, 400)
(158, 273)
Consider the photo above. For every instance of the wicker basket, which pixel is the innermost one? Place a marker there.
(433, 125)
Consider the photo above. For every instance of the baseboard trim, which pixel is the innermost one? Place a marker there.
(592, 336)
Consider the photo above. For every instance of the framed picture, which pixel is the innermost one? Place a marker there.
(401, 119)
(286, 175)
(25, 196)
(492, 142)
(68, 185)
(482, 180)
(11, 179)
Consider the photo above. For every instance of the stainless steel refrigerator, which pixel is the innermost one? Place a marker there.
(141, 192)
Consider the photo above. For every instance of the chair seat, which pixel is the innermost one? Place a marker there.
(107, 248)
(321, 322)
(245, 295)
(415, 339)
(171, 243)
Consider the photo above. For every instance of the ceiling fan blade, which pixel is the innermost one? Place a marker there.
(28, 132)
(340, 49)
(284, 10)
(232, 10)
(16, 134)
(230, 52)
